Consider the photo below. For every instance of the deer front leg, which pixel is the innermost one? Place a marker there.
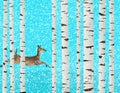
(40, 63)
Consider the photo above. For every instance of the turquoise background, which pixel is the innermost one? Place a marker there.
(38, 32)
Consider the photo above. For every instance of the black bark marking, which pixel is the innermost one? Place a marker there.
(22, 92)
(66, 39)
(5, 48)
(102, 80)
(91, 30)
(102, 64)
(90, 70)
(53, 28)
(110, 12)
(5, 71)
(91, 53)
(112, 44)
(53, 87)
(64, 47)
(102, 42)
(86, 60)
(89, 89)
(63, 25)
(100, 56)
(12, 42)
(21, 50)
(89, 46)
(78, 75)
(112, 74)
(22, 73)
(101, 14)
(21, 14)
(64, 83)
(78, 52)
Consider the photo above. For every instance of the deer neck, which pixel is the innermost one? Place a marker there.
(38, 54)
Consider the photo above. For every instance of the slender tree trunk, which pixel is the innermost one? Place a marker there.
(53, 46)
(22, 46)
(111, 65)
(78, 47)
(5, 26)
(11, 47)
(88, 47)
(65, 54)
(101, 85)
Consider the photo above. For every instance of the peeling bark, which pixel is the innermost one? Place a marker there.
(78, 48)
(22, 46)
(111, 51)
(5, 26)
(65, 40)
(88, 47)
(11, 47)
(101, 85)
(53, 46)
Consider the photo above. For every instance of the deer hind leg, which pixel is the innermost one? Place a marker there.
(40, 63)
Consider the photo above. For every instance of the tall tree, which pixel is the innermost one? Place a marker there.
(53, 46)
(88, 46)
(101, 86)
(65, 54)
(78, 47)
(5, 27)
(22, 46)
(11, 46)
(111, 51)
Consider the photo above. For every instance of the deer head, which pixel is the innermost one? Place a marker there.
(41, 49)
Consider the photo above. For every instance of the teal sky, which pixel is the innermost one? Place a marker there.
(38, 32)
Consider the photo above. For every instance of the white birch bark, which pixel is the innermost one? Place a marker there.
(101, 85)
(111, 65)
(78, 47)
(65, 54)
(88, 47)
(5, 27)
(53, 46)
(22, 46)
(11, 47)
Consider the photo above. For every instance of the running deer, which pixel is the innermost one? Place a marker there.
(31, 60)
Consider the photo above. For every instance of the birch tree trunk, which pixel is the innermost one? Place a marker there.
(78, 47)
(11, 47)
(111, 65)
(65, 54)
(88, 47)
(5, 26)
(53, 46)
(22, 46)
(101, 85)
